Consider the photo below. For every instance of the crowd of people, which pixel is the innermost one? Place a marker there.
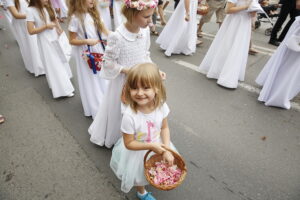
(119, 85)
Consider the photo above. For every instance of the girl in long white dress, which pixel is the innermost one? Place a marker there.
(280, 77)
(127, 46)
(8, 17)
(180, 33)
(227, 56)
(85, 18)
(105, 13)
(117, 12)
(144, 127)
(27, 43)
(41, 20)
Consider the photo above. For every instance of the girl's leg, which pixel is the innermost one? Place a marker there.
(141, 189)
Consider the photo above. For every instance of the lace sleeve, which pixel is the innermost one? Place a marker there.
(148, 58)
(111, 69)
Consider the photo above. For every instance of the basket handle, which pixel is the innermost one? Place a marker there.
(167, 148)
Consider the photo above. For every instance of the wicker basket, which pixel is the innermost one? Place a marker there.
(203, 8)
(178, 160)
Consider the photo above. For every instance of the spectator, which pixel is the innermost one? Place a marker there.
(288, 8)
(215, 6)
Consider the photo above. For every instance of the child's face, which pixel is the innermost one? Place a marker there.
(90, 3)
(143, 18)
(143, 96)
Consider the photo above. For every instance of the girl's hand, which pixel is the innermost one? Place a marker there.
(252, 14)
(59, 31)
(163, 75)
(157, 148)
(168, 157)
(125, 71)
(187, 17)
(92, 42)
(248, 3)
(50, 26)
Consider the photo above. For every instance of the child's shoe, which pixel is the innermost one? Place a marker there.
(147, 196)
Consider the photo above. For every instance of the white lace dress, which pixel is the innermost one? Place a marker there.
(27, 43)
(124, 49)
(227, 56)
(92, 88)
(280, 77)
(180, 36)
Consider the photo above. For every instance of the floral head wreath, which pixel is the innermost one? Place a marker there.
(141, 4)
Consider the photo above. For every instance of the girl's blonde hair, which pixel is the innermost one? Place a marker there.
(38, 4)
(147, 75)
(129, 13)
(78, 8)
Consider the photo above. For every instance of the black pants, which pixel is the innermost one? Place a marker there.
(286, 10)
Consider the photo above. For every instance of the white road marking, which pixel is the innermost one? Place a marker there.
(244, 86)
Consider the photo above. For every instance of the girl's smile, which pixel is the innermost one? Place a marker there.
(143, 96)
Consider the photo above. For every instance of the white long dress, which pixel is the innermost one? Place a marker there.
(124, 49)
(128, 165)
(91, 87)
(280, 77)
(118, 17)
(180, 36)
(8, 16)
(227, 56)
(105, 13)
(27, 43)
(58, 72)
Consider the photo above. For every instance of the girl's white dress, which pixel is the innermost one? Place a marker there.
(118, 16)
(128, 165)
(280, 77)
(180, 36)
(105, 13)
(227, 56)
(91, 87)
(124, 49)
(27, 43)
(9, 17)
(58, 72)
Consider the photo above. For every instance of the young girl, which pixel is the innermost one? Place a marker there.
(60, 8)
(85, 19)
(280, 76)
(105, 13)
(144, 127)
(41, 20)
(117, 12)
(127, 46)
(180, 33)
(227, 56)
(27, 43)
(3, 5)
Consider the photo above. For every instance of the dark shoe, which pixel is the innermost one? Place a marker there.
(274, 42)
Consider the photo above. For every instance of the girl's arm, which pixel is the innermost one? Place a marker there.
(298, 4)
(131, 144)
(187, 10)
(232, 8)
(15, 13)
(77, 42)
(111, 68)
(33, 30)
(165, 137)
(58, 27)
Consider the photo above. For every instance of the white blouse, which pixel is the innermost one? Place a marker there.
(125, 49)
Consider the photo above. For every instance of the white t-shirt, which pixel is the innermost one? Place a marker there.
(145, 127)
